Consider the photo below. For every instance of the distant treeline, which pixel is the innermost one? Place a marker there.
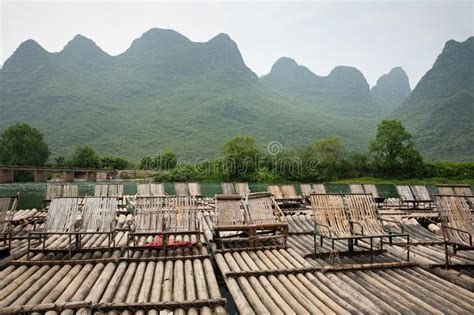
(391, 155)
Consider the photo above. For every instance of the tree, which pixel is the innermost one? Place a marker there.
(60, 161)
(115, 163)
(84, 156)
(23, 145)
(322, 159)
(167, 161)
(147, 163)
(240, 155)
(393, 150)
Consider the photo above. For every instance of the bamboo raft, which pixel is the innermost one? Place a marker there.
(268, 278)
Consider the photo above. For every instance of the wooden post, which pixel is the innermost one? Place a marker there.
(68, 176)
(91, 176)
(40, 176)
(6, 176)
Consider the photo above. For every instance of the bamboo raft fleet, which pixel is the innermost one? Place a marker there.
(167, 255)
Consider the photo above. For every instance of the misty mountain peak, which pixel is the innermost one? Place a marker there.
(82, 45)
(286, 69)
(28, 56)
(392, 88)
(157, 41)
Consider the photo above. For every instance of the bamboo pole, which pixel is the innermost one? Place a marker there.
(240, 300)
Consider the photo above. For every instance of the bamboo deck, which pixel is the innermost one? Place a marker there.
(264, 280)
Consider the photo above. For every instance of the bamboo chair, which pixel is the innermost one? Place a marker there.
(357, 189)
(331, 221)
(99, 217)
(266, 217)
(371, 189)
(416, 194)
(275, 191)
(242, 189)
(319, 189)
(8, 206)
(195, 190)
(58, 191)
(151, 189)
(181, 189)
(62, 218)
(363, 210)
(422, 194)
(148, 219)
(459, 190)
(228, 188)
(109, 190)
(290, 198)
(231, 216)
(306, 191)
(457, 223)
(182, 218)
(406, 195)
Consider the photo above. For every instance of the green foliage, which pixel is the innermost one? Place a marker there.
(439, 111)
(147, 163)
(181, 173)
(84, 156)
(60, 161)
(394, 150)
(166, 161)
(115, 163)
(453, 170)
(21, 144)
(240, 156)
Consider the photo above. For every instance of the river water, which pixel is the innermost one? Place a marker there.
(31, 194)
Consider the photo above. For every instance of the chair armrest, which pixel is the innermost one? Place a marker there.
(325, 226)
(395, 222)
(461, 231)
(352, 222)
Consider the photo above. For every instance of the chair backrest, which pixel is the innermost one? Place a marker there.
(228, 188)
(356, 189)
(319, 189)
(242, 189)
(405, 193)
(329, 211)
(101, 190)
(70, 190)
(62, 215)
(463, 190)
(181, 189)
(363, 209)
(151, 189)
(306, 189)
(98, 214)
(108, 190)
(229, 211)
(181, 214)
(288, 191)
(53, 191)
(194, 189)
(455, 213)
(143, 189)
(115, 190)
(8, 206)
(445, 190)
(149, 213)
(421, 193)
(371, 189)
(275, 191)
(263, 209)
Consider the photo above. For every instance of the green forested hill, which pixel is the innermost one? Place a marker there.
(440, 110)
(168, 93)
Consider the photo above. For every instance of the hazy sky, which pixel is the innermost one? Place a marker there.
(373, 36)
